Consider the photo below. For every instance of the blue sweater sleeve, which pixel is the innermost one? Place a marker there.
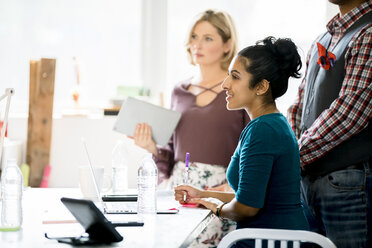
(256, 161)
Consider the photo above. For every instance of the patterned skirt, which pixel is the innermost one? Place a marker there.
(202, 176)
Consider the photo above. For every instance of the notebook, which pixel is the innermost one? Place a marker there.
(125, 207)
(162, 121)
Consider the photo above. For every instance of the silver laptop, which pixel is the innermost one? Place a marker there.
(109, 207)
(117, 207)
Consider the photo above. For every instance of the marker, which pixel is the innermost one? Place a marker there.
(186, 172)
(186, 175)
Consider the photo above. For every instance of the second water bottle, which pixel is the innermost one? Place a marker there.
(119, 168)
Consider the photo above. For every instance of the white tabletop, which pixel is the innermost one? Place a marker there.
(164, 230)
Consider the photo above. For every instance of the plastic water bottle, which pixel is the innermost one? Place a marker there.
(11, 194)
(119, 168)
(147, 183)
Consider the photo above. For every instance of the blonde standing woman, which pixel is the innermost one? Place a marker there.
(207, 130)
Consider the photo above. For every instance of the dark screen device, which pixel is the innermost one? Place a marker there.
(134, 211)
(129, 223)
(127, 197)
(98, 228)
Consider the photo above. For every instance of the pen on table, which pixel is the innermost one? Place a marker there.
(186, 172)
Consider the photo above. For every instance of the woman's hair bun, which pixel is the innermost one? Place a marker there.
(285, 53)
(274, 60)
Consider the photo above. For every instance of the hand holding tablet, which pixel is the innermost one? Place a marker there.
(162, 121)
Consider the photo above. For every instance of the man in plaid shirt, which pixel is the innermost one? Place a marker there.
(331, 119)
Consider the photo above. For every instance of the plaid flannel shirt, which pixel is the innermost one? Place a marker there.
(351, 111)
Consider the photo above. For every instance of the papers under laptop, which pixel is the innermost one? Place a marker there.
(124, 207)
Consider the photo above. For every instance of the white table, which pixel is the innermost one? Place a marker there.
(165, 230)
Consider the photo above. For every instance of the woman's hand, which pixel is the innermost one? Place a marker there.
(189, 191)
(210, 203)
(197, 196)
(143, 138)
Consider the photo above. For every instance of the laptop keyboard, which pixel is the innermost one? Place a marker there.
(121, 207)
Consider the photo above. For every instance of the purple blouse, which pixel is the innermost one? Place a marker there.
(209, 133)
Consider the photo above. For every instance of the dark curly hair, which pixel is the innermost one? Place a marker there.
(274, 60)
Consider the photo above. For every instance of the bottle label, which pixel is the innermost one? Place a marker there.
(147, 194)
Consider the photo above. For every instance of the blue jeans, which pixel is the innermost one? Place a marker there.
(339, 205)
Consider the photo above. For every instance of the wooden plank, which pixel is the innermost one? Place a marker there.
(34, 68)
(40, 117)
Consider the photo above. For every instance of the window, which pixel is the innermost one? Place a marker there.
(104, 36)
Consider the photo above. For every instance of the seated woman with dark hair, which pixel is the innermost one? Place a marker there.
(264, 171)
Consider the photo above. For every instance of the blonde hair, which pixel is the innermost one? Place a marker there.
(224, 24)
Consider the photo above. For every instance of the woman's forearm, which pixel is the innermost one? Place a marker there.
(222, 196)
(237, 211)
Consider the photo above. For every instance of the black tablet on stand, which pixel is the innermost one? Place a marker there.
(98, 228)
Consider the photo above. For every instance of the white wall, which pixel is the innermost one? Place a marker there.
(67, 150)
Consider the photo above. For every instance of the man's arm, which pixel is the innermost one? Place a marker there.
(351, 111)
(294, 112)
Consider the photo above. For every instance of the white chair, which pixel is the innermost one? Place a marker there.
(272, 235)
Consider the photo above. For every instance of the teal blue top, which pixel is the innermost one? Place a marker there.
(265, 172)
